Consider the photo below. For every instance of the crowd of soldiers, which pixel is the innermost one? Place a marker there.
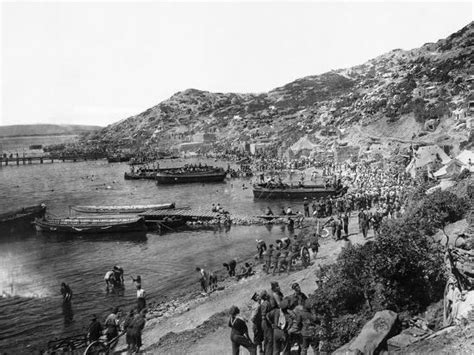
(279, 324)
(373, 193)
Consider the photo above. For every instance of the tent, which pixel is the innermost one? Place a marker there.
(302, 144)
(303, 147)
(465, 156)
(455, 166)
(426, 155)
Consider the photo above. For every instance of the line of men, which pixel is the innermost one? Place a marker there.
(287, 250)
(279, 324)
(389, 205)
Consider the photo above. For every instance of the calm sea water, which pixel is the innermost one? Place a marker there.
(33, 265)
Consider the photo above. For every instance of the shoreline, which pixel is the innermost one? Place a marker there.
(175, 324)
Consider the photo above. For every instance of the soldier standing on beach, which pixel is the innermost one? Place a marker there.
(276, 295)
(364, 223)
(261, 248)
(134, 332)
(94, 330)
(239, 334)
(309, 330)
(345, 224)
(265, 307)
(267, 258)
(141, 302)
(230, 266)
(306, 207)
(256, 319)
(298, 298)
(112, 324)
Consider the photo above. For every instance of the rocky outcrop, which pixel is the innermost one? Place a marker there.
(373, 336)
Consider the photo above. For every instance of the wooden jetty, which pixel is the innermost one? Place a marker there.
(189, 214)
(185, 214)
(6, 161)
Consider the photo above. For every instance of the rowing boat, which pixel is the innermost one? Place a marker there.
(190, 175)
(90, 225)
(122, 209)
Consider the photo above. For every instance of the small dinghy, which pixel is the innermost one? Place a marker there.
(122, 209)
(92, 225)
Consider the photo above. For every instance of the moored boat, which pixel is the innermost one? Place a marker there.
(190, 175)
(122, 209)
(146, 174)
(79, 225)
(21, 217)
(288, 192)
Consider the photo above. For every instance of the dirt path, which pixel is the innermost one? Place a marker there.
(193, 337)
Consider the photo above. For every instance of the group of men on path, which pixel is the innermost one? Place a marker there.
(287, 250)
(278, 323)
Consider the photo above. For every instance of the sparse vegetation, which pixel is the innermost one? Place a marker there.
(401, 270)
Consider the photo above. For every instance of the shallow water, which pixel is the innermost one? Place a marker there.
(32, 265)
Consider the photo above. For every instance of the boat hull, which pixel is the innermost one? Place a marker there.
(122, 209)
(142, 176)
(21, 218)
(90, 226)
(292, 193)
(185, 178)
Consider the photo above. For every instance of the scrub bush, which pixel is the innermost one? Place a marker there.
(401, 270)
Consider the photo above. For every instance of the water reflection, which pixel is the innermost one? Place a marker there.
(134, 237)
(269, 227)
(115, 290)
(8, 235)
(68, 313)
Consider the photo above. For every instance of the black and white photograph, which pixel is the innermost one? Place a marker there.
(236, 177)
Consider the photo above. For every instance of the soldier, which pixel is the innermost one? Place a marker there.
(276, 296)
(309, 330)
(256, 319)
(239, 334)
(306, 207)
(261, 248)
(280, 321)
(275, 259)
(265, 308)
(338, 222)
(267, 258)
(364, 223)
(230, 266)
(345, 224)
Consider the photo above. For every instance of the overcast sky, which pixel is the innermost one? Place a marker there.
(96, 63)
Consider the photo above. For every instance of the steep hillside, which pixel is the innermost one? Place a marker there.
(44, 130)
(405, 94)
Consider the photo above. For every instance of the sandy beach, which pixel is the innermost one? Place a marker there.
(197, 324)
